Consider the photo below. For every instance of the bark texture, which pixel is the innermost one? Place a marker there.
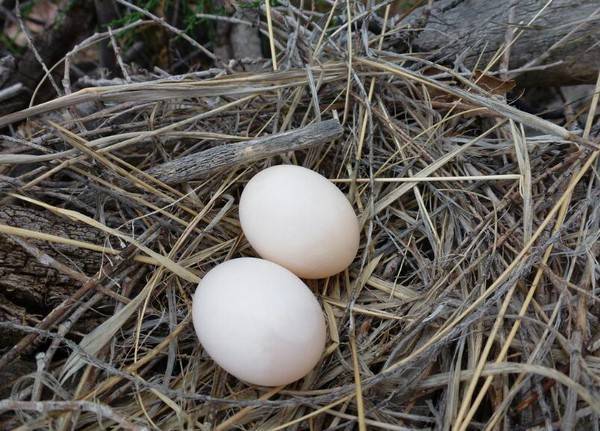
(26, 285)
(471, 28)
(226, 156)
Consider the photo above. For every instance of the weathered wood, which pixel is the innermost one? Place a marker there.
(226, 156)
(23, 279)
(28, 288)
(10, 312)
(479, 27)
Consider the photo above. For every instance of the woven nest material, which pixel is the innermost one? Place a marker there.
(470, 299)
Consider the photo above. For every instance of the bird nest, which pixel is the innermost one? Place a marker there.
(469, 299)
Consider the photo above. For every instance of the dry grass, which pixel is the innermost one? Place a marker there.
(471, 304)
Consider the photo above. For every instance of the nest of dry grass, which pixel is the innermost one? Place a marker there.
(472, 302)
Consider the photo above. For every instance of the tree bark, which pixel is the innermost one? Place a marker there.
(566, 31)
(27, 287)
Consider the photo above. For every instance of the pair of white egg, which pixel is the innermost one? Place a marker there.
(255, 317)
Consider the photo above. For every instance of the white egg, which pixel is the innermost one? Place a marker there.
(299, 219)
(259, 321)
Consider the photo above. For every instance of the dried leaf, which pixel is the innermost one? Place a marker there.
(492, 83)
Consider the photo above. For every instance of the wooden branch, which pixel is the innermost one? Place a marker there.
(10, 312)
(566, 32)
(227, 156)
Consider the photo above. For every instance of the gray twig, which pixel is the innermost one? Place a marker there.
(8, 92)
(226, 156)
(51, 406)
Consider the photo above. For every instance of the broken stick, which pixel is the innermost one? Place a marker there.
(216, 159)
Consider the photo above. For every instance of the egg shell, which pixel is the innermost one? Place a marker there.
(299, 219)
(259, 321)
